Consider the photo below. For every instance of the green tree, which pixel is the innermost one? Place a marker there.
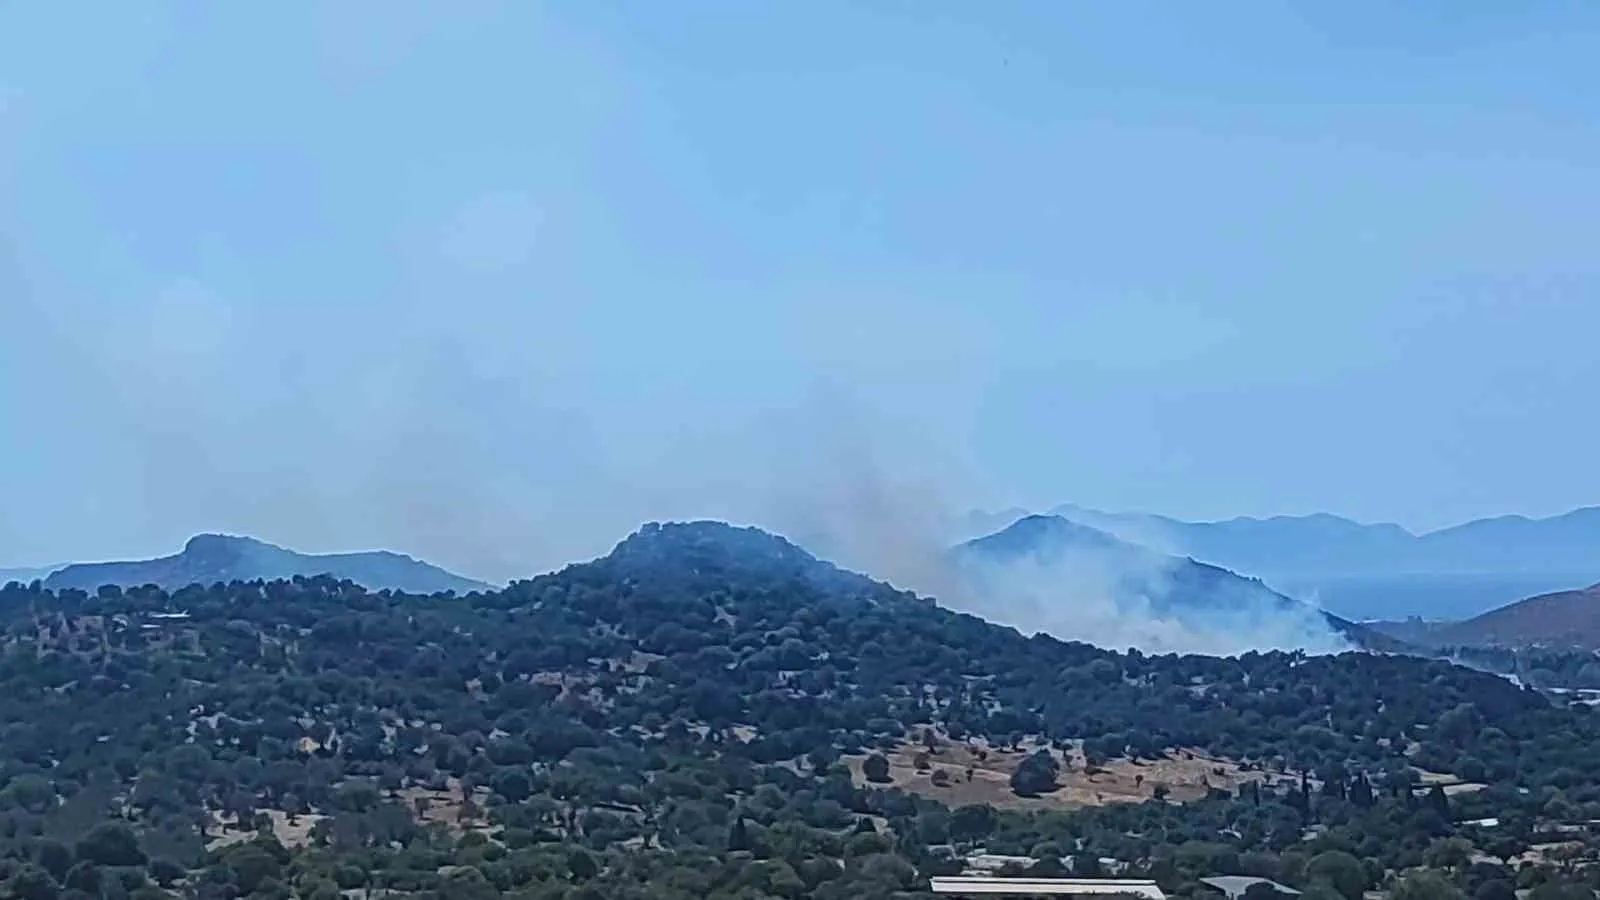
(54, 856)
(110, 844)
(1494, 889)
(876, 768)
(467, 883)
(252, 866)
(582, 865)
(513, 784)
(32, 882)
(1036, 775)
(1340, 871)
(1425, 884)
(1448, 853)
(165, 871)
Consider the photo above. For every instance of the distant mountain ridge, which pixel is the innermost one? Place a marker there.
(1321, 542)
(1364, 571)
(210, 558)
(1168, 584)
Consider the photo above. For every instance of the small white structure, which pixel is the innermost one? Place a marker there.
(979, 864)
(1046, 887)
(1234, 886)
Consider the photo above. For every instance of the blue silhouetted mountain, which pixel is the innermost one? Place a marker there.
(1381, 570)
(1325, 543)
(1046, 548)
(210, 558)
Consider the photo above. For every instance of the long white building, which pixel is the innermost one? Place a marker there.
(968, 886)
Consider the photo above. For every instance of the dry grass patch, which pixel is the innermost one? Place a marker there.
(446, 807)
(975, 774)
(291, 831)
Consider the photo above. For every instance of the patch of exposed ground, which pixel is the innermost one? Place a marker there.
(448, 807)
(640, 661)
(1450, 784)
(975, 774)
(291, 831)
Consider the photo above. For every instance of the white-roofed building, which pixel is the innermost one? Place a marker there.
(966, 886)
(1235, 886)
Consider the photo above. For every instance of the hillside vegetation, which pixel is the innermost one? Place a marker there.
(703, 714)
(1559, 620)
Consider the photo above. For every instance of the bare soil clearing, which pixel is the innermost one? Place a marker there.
(1185, 773)
(291, 831)
(444, 807)
(1450, 784)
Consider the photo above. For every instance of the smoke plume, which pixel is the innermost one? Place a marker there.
(430, 445)
(853, 494)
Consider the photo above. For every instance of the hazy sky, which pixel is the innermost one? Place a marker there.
(492, 283)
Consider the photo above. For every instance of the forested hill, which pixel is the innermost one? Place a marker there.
(712, 556)
(1564, 619)
(692, 717)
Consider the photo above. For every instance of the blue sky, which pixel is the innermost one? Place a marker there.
(493, 282)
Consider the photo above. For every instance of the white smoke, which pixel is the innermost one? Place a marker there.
(426, 449)
(1107, 600)
(853, 493)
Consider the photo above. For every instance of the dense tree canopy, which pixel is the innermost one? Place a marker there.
(668, 722)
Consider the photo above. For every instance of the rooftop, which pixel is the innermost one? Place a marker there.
(1236, 885)
(1043, 887)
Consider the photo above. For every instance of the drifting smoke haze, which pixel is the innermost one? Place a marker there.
(1087, 597)
(189, 412)
(416, 445)
(431, 434)
(435, 443)
(491, 286)
(848, 499)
